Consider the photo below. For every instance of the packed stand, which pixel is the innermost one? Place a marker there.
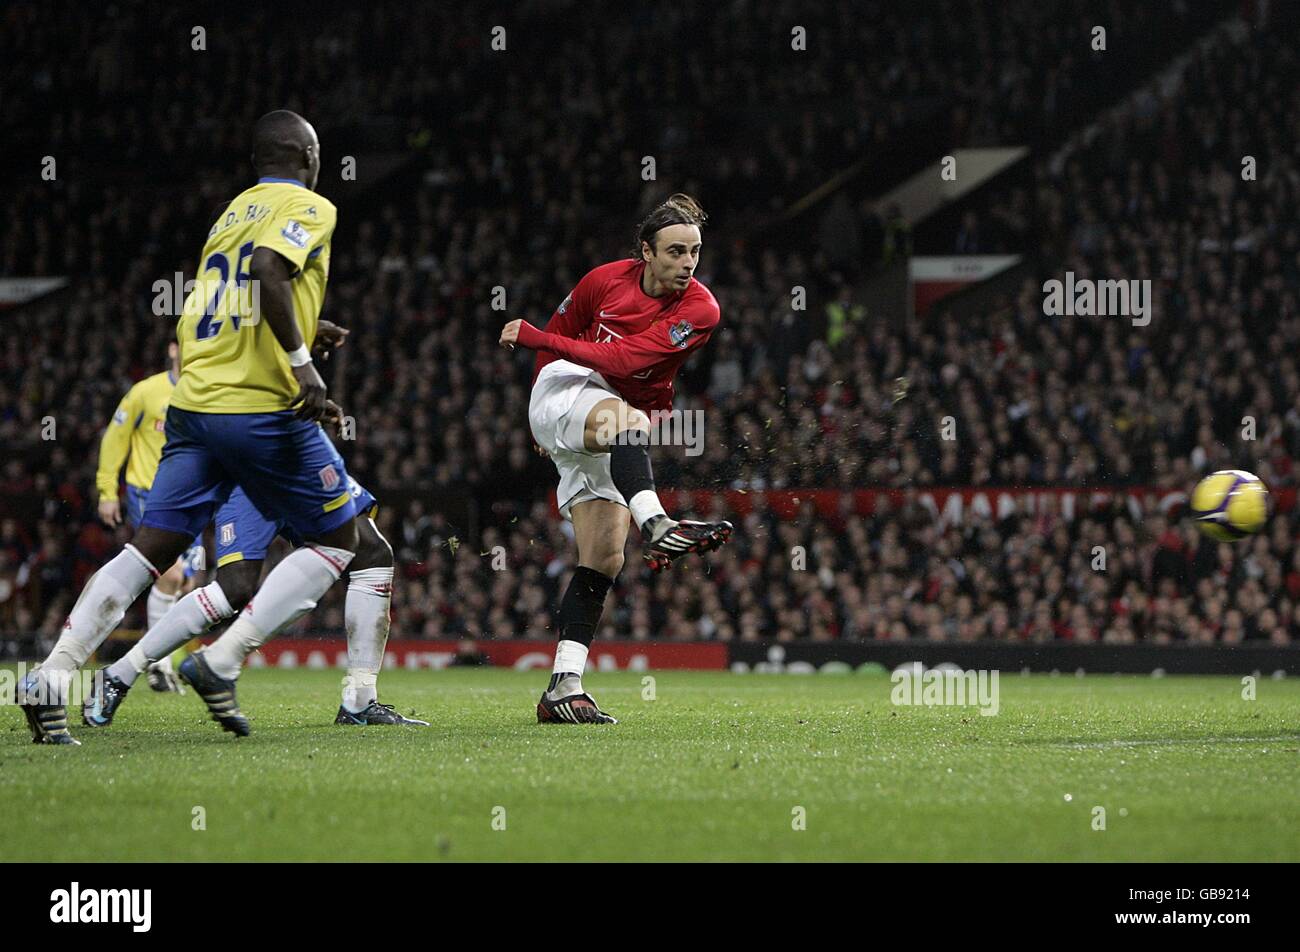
(1112, 575)
(496, 198)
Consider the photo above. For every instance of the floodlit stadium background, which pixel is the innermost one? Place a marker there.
(841, 256)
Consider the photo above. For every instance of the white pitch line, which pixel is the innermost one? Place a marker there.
(1181, 740)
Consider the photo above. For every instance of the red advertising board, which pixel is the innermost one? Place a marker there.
(520, 655)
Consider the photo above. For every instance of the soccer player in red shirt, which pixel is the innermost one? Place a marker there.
(605, 362)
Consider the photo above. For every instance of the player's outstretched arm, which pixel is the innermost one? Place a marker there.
(273, 274)
(619, 358)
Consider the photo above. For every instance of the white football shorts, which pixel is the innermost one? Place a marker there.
(558, 408)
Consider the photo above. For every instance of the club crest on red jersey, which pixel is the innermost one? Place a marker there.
(681, 333)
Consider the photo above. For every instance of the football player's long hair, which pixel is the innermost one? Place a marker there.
(680, 209)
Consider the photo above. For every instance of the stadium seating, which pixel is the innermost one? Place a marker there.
(499, 195)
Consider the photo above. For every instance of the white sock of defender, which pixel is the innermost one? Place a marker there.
(366, 617)
(192, 615)
(645, 505)
(289, 592)
(159, 604)
(103, 602)
(156, 606)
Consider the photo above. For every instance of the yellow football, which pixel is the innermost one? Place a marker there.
(1230, 504)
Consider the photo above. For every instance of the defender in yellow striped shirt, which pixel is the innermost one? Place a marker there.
(134, 439)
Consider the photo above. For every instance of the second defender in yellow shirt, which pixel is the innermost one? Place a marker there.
(134, 439)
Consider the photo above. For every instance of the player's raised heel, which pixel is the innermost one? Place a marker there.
(49, 724)
(217, 693)
(106, 696)
(574, 709)
(376, 713)
(688, 537)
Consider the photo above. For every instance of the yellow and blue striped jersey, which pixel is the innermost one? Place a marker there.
(231, 361)
(135, 436)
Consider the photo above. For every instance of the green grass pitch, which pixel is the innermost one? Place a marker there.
(716, 767)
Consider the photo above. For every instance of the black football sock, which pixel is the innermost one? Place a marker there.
(582, 605)
(629, 466)
(580, 611)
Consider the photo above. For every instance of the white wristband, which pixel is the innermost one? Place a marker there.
(299, 357)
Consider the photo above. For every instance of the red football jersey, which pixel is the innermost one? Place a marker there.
(635, 341)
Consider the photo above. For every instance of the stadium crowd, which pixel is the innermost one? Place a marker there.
(1185, 186)
(492, 196)
(1114, 575)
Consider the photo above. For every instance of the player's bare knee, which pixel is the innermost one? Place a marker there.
(373, 550)
(606, 563)
(238, 581)
(171, 581)
(608, 419)
(344, 537)
(636, 420)
(160, 547)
